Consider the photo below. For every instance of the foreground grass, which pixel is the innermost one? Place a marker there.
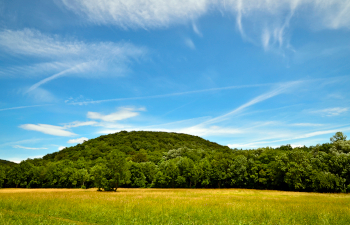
(171, 206)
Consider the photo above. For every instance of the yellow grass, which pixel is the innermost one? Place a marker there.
(171, 206)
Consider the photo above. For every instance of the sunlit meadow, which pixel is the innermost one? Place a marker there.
(171, 206)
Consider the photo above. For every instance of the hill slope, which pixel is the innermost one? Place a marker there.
(154, 143)
(5, 162)
(160, 159)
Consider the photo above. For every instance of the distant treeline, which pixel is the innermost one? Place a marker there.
(170, 160)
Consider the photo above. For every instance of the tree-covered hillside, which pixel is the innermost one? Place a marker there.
(160, 159)
(5, 162)
(132, 143)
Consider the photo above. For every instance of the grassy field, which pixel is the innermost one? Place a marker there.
(171, 206)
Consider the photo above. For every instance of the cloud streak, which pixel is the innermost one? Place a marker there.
(331, 111)
(297, 137)
(23, 107)
(80, 124)
(141, 13)
(30, 42)
(82, 67)
(268, 18)
(66, 57)
(282, 88)
(29, 148)
(48, 129)
(122, 114)
(72, 102)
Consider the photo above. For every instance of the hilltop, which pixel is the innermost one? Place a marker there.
(131, 143)
(5, 162)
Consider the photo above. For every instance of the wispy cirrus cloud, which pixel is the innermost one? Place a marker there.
(280, 89)
(268, 20)
(79, 124)
(24, 107)
(79, 68)
(80, 100)
(190, 43)
(298, 135)
(307, 124)
(331, 111)
(142, 13)
(29, 148)
(66, 56)
(30, 42)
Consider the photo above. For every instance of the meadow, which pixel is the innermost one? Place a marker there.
(171, 206)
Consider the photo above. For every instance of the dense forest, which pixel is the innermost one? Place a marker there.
(170, 160)
(5, 162)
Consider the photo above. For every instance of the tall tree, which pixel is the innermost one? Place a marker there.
(118, 169)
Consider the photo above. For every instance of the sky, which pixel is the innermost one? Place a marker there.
(242, 73)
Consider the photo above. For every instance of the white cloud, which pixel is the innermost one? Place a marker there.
(140, 13)
(210, 131)
(296, 145)
(79, 68)
(80, 100)
(267, 20)
(61, 148)
(23, 107)
(78, 140)
(31, 42)
(20, 159)
(244, 146)
(282, 88)
(190, 43)
(29, 148)
(306, 124)
(68, 57)
(276, 138)
(40, 95)
(121, 114)
(196, 30)
(80, 124)
(331, 111)
(48, 129)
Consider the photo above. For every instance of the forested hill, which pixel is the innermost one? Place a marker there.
(131, 143)
(170, 160)
(5, 162)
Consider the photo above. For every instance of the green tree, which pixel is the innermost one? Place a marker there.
(238, 171)
(138, 179)
(84, 176)
(206, 172)
(339, 136)
(15, 176)
(99, 173)
(185, 166)
(118, 169)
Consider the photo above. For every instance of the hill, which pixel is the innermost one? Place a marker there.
(5, 162)
(169, 160)
(131, 143)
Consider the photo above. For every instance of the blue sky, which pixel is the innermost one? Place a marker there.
(245, 74)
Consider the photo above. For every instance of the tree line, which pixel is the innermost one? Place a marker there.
(169, 160)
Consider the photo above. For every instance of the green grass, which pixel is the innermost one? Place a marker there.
(171, 206)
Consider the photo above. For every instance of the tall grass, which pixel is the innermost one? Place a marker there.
(171, 206)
